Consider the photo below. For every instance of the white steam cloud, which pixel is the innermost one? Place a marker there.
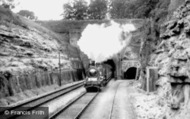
(101, 42)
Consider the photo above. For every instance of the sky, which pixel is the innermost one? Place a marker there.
(43, 9)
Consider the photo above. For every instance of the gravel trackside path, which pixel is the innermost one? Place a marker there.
(122, 107)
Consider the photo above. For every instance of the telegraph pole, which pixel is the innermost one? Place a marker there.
(59, 81)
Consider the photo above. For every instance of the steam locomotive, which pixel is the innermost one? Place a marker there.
(97, 76)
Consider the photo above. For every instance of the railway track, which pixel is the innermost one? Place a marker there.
(76, 108)
(37, 102)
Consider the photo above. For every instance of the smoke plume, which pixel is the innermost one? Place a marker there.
(101, 42)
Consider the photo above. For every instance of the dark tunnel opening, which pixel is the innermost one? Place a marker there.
(112, 64)
(130, 73)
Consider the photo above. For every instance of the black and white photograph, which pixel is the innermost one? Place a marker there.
(95, 59)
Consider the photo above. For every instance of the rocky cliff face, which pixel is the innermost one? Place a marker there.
(172, 54)
(27, 48)
(30, 57)
(152, 30)
(168, 50)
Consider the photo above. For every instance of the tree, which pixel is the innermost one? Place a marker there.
(132, 9)
(97, 9)
(27, 14)
(118, 8)
(10, 4)
(77, 10)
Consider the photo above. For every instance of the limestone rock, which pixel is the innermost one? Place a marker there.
(30, 54)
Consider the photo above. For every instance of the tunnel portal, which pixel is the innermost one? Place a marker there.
(130, 73)
(112, 64)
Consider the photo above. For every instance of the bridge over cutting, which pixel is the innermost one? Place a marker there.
(73, 31)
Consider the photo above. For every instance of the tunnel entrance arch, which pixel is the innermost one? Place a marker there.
(112, 64)
(130, 73)
(130, 69)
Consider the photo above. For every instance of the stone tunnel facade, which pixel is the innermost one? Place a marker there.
(130, 69)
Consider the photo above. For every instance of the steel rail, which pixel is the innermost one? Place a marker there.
(72, 103)
(55, 114)
(83, 110)
(36, 102)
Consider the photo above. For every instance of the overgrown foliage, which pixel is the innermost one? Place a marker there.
(76, 10)
(117, 9)
(97, 9)
(9, 3)
(80, 10)
(132, 9)
(27, 14)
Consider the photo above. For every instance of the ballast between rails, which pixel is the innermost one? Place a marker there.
(52, 116)
(85, 99)
(83, 110)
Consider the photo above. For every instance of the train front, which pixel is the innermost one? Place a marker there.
(93, 79)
